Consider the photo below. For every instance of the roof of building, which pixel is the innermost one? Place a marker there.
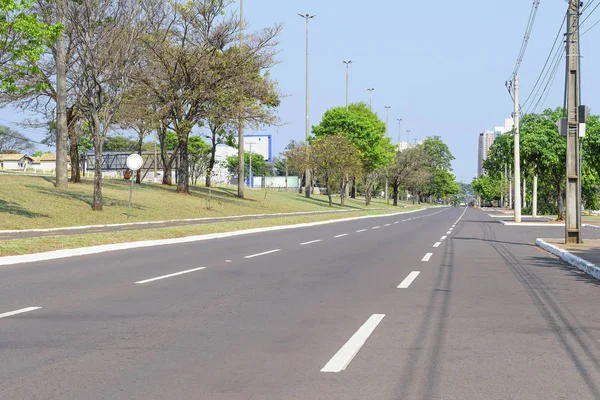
(11, 157)
(36, 160)
(48, 157)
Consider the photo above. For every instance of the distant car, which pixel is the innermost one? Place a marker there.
(463, 205)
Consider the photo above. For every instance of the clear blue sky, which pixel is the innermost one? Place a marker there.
(441, 65)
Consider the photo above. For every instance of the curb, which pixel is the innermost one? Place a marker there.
(591, 227)
(571, 259)
(67, 253)
(508, 223)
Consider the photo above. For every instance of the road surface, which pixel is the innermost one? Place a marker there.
(439, 304)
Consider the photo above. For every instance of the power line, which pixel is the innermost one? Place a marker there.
(591, 27)
(525, 42)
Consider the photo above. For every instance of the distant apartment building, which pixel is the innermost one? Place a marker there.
(486, 139)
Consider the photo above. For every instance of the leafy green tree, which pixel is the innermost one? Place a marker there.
(439, 160)
(119, 143)
(199, 152)
(259, 164)
(407, 164)
(366, 132)
(488, 188)
(438, 153)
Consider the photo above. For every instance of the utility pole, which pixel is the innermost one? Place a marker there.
(534, 205)
(371, 98)
(399, 130)
(241, 164)
(407, 140)
(517, 155)
(524, 191)
(308, 180)
(61, 103)
(573, 206)
(347, 68)
(387, 133)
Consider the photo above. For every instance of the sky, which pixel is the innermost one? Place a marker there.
(441, 65)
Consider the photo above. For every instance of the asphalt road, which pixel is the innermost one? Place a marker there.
(363, 313)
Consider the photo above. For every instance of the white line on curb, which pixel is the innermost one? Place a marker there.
(531, 224)
(344, 356)
(342, 235)
(264, 253)
(409, 279)
(437, 244)
(21, 311)
(158, 278)
(427, 257)
(572, 259)
(311, 242)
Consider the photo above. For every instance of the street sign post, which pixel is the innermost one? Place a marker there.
(134, 163)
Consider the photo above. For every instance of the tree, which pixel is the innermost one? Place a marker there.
(438, 153)
(259, 164)
(332, 158)
(298, 157)
(220, 133)
(107, 52)
(119, 143)
(439, 159)
(12, 141)
(488, 188)
(200, 154)
(407, 164)
(366, 132)
(194, 62)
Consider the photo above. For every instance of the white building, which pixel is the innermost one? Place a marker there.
(15, 162)
(486, 139)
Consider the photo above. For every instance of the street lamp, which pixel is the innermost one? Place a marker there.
(407, 141)
(347, 67)
(371, 98)
(387, 128)
(399, 130)
(308, 183)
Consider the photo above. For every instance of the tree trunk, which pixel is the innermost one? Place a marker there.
(395, 194)
(211, 162)
(353, 191)
(300, 179)
(138, 175)
(561, 203)
(343, 187)
(97, 204)
(60, 60)
(164, 156)
(74, 155)
(183, 180)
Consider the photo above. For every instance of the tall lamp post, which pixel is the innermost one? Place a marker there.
(241, 178)
(387, 130)
(399, 130)
(308, 181)
(407, 140)
(371, 98)
(347, 68)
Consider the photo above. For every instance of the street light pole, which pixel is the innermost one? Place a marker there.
(399, 130)
(407, 140)
(241, 179)
(387, 129)
(347, 67)
(371, 98)
(308, 181)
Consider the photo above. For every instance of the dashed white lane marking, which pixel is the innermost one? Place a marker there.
(376, 227)
(427, 257)
(263, 254)
(311, 242)
(449, 232)
(387, 224)
(361, 230)
(443, 238)
(21, 311)
(170, 275)
(342, 235)
(397, 222)
(451, 229)
(437, 244)
(409, 279)
(344, 356)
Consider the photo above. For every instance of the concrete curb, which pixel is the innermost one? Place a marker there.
(591, 227)
(508, 223)
(571, 259)
(58, 254)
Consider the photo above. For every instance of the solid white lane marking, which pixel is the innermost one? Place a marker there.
(263, 253)
(427, 257)
(443, 238)
(342, 235)
(170, 275)
(21, 311)
(344, 356)
(311, 242)
(376, 227)
(387, 224)
(409, 279)
(437, 244)
(361, 230)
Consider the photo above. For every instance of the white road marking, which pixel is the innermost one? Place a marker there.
(449, 232)
(387, 224)
(443, 238)
(170, 275)
(451, 229)
(263, 254)
(376, 227)
(437, 244)
(397, 222)
(311, 242)
(409, 279)
(21, 311)
(342, 235)
(427, 257)
(361, 230)
(344, 356)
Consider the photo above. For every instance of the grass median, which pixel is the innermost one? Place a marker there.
(54, 241)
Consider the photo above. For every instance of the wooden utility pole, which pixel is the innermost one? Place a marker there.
(517, 155)
(573, 203)
(241, 164)
(61, 102)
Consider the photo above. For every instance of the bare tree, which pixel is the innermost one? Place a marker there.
(12, 141)
(409, 169)
(107, 35)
